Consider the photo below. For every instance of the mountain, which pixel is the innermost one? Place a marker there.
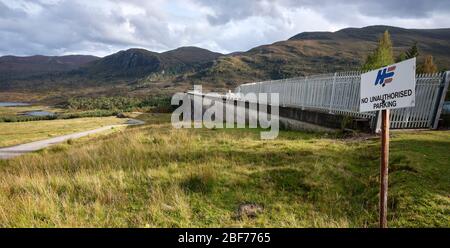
(321, 52)
(13, 67)
(137, 63)
(430, 41)
(193, 55)
(142, 72)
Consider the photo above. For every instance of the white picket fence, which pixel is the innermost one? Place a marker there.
(338, 93)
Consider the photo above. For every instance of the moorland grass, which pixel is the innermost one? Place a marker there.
(157, 176)
(16, 110)
(13, 133)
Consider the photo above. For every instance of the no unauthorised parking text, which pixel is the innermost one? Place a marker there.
(389, 87)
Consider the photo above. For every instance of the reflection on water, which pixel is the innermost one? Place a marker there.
(13, 104)
(38, 113)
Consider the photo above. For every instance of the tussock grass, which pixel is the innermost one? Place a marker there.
(157, 176)
(16, 110)
(22, 132)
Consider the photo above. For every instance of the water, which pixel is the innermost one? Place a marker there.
(13, 104)
(39, 113)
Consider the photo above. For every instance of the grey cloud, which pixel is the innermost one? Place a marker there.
(104, 26)
(70, 25)
(7, 12)
(228, 10)
(406, 9)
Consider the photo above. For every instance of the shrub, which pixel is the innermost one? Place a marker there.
(120, 104)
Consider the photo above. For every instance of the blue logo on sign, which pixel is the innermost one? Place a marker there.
(385, 76)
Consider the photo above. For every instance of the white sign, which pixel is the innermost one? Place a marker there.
(389, 87)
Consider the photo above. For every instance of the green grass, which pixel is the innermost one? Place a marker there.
(22, 132)
(156, 176)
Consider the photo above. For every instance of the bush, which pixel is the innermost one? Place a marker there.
(103, 103)
(121, 104)
(83, 114)
(23, 118)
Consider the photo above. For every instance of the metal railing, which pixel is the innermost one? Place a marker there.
(338, 93)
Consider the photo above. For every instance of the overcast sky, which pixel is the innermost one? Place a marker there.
(101, 27)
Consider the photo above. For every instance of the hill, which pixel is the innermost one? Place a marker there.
(137, 63)
(14, 67)
(142, 72)
(320, 52)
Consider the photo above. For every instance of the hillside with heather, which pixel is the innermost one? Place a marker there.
(137, 63)
(320, 52)
(14, 67)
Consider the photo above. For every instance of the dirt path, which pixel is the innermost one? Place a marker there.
(17, 150)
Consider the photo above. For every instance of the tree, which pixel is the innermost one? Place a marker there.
(383, 55)
(412, 52)
(401, 57)
(428, 65)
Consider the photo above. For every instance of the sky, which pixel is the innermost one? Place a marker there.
(102, 27)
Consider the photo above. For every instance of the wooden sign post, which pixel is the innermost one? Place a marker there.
(390, 87)
(384, 167)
